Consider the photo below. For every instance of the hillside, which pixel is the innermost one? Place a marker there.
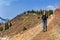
(22, 24)
(19, 22)
(29, 34)
(36, 33)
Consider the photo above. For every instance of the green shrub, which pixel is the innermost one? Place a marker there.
(1, 28)
(50, 12)
(24, 28)
(20, 19)
(39, 12)
(6, 26)
(10, 24)
(38, 17)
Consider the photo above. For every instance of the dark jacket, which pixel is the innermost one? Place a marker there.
(44, 17)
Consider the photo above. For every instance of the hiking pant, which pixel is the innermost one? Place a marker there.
(44, 25)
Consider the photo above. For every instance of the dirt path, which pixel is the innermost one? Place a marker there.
(53, 32)
(28, 35)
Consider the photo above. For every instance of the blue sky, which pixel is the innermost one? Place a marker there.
(10, 8)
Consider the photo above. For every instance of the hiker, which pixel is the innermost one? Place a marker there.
(44, 21)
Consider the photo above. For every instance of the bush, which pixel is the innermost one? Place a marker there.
(50, 12)
(20, 19)
(6, 26)
(38, 17)
(31, 11)
(24, 28)
(1, 28)
(10, 24)
(39, 12)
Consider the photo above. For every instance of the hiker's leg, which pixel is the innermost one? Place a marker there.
(43, 26)
(46, 25)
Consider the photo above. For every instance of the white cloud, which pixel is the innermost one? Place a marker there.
(6, 2)
(51, 7)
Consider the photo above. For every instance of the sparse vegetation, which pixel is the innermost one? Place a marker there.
(41, 12)
(1, 28)
(20, 19)
(6, 26)
(50, 12)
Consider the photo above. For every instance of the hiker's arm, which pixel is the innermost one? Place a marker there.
(46, 16)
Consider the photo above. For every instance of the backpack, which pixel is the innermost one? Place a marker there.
(44, 17)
